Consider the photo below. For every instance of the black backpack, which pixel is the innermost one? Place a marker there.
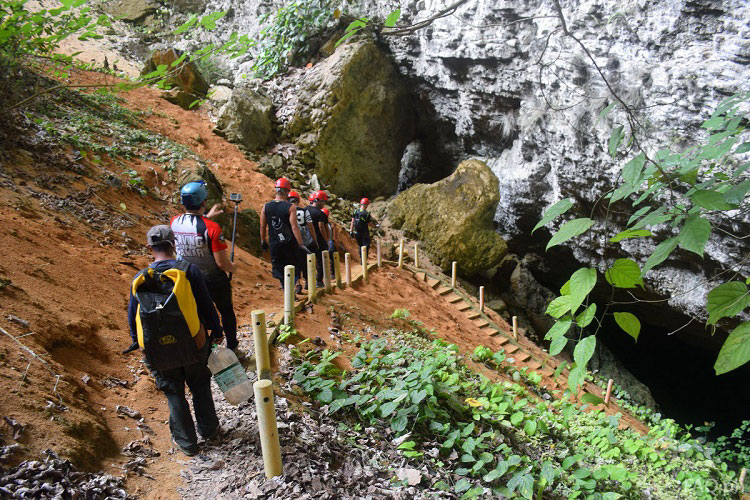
(361, 220)
(162, 326)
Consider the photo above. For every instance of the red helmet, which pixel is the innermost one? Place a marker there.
(283, 183)
(364, 201)
(311, 198)
(294, 194)
(326, 211)
(321, 195)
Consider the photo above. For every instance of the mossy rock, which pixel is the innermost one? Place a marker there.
(453, 218)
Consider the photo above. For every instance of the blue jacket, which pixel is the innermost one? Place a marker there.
(206, 311)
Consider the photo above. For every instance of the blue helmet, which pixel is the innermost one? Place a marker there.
(193, 194)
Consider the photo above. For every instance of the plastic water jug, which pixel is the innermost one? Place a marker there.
(229, 375)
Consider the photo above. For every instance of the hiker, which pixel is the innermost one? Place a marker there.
(320, 226)
(200, 242)
(169, 311)
(304, 221)
(332, 235)
(279, 231)
(360, 225)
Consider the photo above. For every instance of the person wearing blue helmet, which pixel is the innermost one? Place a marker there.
(199, 241)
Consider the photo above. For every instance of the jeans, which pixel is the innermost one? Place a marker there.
(220, 290)
(198, 379)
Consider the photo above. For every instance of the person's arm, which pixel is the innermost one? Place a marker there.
(215, 211)
(295, 226)
(263, 229)
(206, 309)
(222, 260)
(323, 232)
(351, 226)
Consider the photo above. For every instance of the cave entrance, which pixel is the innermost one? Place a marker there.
(682, 379)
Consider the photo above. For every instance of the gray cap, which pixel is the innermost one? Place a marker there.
(160, 234)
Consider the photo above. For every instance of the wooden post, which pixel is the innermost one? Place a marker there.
(609, 391)
(401, 254)
(327, 271)
(363, 258)
(380, 259)
(347, 269)
(311, 279)
(337, 269)
(289, 295)
(515, 327)
(262, 357)
(454, 269)
(269, 433)
(743, 473)
(416, 254)
(481, 299)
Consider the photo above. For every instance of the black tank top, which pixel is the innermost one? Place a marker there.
(279, 229)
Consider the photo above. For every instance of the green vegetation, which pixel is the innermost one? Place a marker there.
(500, 438)
(736, 448)
(676, 197)
(284, 42)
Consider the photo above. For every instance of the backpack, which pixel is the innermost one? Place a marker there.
(361, 220)
(167, 320)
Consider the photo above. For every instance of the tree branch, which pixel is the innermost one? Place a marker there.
(407, 30)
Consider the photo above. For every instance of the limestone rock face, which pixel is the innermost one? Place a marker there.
(189, 84)
(131, 10)
(453, 218)
(354, 113)
(246, 118)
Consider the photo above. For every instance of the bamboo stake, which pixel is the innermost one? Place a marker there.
(416, 255)
(347, 269)
(481, 299)
(363, 259)
(289, 295)
(262, 356)
(269, 433)
(743, 473)
(380, 259)
(337, 269)
(326, 271)
(454, 269)
(609, 391)
(515, 327)
(401, 254)
(311, 278)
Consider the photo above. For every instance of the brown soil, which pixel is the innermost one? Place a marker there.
(69, 279)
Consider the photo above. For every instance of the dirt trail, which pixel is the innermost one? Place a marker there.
(69, 266)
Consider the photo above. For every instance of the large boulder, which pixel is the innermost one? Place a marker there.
(248, 220)
(189, 85)
(131, 10)
(355, 115)
(453, 218)
(246, 118)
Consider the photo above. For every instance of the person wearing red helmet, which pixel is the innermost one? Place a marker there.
(360, 225)
(320, 226)
(279, 231)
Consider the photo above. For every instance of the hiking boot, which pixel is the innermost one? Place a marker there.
(320, 285)
(191, 451)
(214, 435)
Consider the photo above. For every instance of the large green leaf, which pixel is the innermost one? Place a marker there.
(559, 306)
(661, 252)
(711, 200)
(392, 18)
(591, 399)
(694, 234)
(569, 230)
(629, 323)
(631, 233)
(727, 299)
(615, 139)
(736, 350)
(633, 169)
(576, 377)
(587, 316)
(624, 273)
(560, 328)
(581, 283)
(557, 345)
(584, 350)
(555, 210)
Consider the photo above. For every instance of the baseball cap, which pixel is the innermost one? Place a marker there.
(160, 234)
